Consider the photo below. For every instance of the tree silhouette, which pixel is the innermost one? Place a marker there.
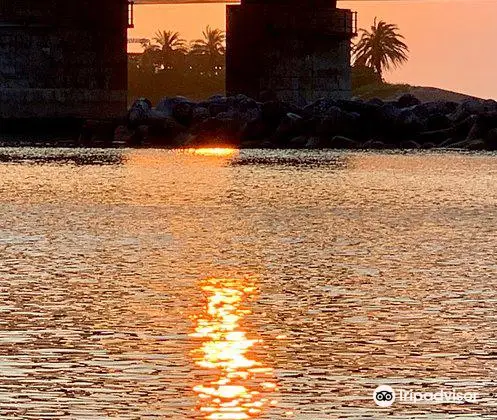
(151, 59)
(167, 66)
(170, 41)
(381, 48)
(208, 52)
(211, 44)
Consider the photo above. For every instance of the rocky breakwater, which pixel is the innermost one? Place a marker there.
(240, 121)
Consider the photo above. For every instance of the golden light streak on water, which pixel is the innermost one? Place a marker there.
(240, 385)
(212, 151)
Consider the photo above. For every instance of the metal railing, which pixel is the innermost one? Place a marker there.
(131, 14)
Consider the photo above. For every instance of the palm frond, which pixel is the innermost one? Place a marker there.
(381, 47)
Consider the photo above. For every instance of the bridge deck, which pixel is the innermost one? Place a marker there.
(185, 1)
(195, 1)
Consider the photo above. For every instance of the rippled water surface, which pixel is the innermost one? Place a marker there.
(219, 285)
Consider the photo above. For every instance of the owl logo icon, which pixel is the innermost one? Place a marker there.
(384, 396)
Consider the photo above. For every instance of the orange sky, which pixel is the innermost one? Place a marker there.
(452, 42)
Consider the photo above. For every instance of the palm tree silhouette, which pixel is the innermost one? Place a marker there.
(170, 41)
(152, 58)
(211, 44)
(381, 48)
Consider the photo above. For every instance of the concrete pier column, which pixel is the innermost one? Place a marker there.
(298, 50)
(61, 58)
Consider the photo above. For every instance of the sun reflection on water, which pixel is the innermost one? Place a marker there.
(240, 385)
(212, 151)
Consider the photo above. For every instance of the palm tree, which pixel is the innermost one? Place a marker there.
(151, 59)
(381, 48)
(212, 43)
(170, 41)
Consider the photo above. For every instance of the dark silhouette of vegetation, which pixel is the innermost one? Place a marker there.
(171, 66)
(211, 44)
(381, 48)
(363, 76)
(170, 41)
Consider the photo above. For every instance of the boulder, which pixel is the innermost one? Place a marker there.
(426, 109)
(291, 125)
(229, 115)
(141, 136)
(389, 122)
(475, 132)
(456, 144)
(166, 105)
(436, 137)
(139, 111)
(371, 121)
(472, 107)
(359, 106)
(218, 98)
(376, 102)
(476, 144)
(313, 143)
(156, 117)
(407, 125)
(210, 127)
(428, 145)
(298, 142)
(254, 130)
(243, 103)
(447, 143)
(437, 122)
(411, 144)
(183, 113)
(491, 139)
(166, 133)
(482, 124)
(216, 108)
(217, 130)
(341, 142)
(250, 114)
(374, 144)
(252, 144)
(272, 112)
(199, 114)
(337, 122)
(319, 108)
(462, 127)
(159, 127)
(408, 100)
(123, 135)
(97, 132)
(266, 144)
(268, 96)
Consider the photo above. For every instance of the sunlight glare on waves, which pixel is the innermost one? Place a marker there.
(212, 151)
(242, 386)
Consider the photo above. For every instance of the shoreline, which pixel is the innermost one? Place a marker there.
(241, 122)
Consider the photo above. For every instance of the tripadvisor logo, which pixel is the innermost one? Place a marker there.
(385, 396)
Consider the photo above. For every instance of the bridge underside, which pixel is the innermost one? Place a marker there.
(184, 1)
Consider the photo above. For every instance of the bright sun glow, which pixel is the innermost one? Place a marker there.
(212, 151)
(242, 385)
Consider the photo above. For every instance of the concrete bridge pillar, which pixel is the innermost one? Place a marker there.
(61, 58)
(299, 50)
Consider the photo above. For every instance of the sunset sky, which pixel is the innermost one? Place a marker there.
(452, 42)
